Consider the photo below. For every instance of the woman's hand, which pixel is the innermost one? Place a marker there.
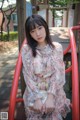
(38, 105)
(49, 104)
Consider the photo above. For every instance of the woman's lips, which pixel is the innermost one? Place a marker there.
(39, 38)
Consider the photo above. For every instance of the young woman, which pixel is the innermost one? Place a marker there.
(44, 73)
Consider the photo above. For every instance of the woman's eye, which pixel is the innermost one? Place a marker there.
(32, 31)
(40, 27)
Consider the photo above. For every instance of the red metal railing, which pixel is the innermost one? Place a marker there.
(75, 80)
(75, 75)
(14, 89)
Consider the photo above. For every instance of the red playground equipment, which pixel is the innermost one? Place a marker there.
(75, 79)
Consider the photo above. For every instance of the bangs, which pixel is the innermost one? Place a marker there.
(32, 24)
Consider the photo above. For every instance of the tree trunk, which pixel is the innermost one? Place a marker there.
(21, 12)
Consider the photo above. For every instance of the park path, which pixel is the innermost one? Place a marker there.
(7, 66)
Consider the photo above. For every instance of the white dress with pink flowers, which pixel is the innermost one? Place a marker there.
(44, 74)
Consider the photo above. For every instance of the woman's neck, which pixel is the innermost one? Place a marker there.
(42, 44)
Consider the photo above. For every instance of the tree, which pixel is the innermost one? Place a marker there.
(3, 19)
(10, 8)
(8, 16)
(21, 13)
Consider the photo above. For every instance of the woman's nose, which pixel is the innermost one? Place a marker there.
(37, 32)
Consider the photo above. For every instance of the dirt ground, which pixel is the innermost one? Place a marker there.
(7, 46)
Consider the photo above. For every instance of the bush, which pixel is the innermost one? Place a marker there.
(12, 36)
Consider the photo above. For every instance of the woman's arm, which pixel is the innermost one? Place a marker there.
(57, 80)
(28, 73)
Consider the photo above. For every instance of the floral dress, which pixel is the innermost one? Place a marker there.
(44, 74)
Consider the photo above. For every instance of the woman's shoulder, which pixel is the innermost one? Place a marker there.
(57, 45)
(25, 48)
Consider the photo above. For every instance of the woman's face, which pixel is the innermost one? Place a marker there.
(39, 34)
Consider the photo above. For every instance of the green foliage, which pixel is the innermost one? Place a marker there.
(12, 36)
(62, 3)
(72, 1)
(56, 3)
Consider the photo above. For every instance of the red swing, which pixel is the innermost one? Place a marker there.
(75, 79)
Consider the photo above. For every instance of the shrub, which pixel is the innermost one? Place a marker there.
(12, 36)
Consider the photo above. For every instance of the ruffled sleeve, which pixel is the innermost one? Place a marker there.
(57, 82)
(28, 74)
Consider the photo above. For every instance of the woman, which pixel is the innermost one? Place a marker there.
(44, 73)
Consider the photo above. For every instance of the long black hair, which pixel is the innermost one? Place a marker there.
(30, 24)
